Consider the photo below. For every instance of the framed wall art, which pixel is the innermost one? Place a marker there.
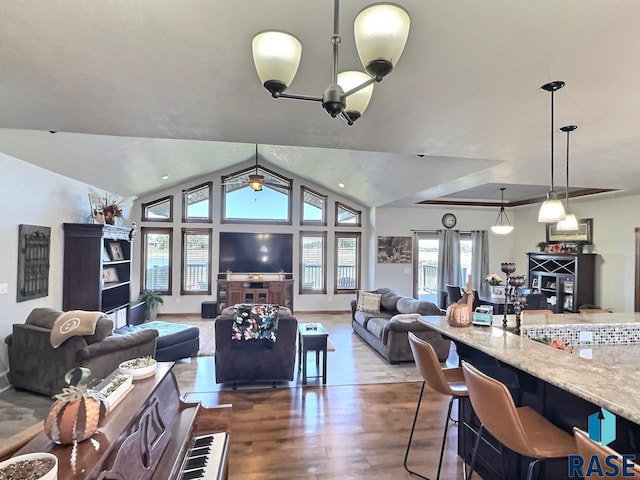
(115, 251)
(34, 245)
(394, 249)
(110, 275)
(583, 235)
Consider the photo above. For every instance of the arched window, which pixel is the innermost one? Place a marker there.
(256, 195)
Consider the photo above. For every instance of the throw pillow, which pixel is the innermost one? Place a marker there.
(405, 317)
(368, 302)
(255, 322)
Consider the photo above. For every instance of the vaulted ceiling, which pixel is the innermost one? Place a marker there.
(145, 88)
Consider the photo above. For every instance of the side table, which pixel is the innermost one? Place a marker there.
(312, 337)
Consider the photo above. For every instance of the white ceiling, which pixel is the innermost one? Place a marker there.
(154, 87)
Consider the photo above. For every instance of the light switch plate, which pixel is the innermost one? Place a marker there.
(4, 288)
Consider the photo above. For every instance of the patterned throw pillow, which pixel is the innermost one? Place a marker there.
(368, 302)
(255, 322)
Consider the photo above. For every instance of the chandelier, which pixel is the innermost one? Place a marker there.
(503, 225)
(381, 32)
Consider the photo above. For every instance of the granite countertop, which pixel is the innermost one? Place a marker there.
(606, 375)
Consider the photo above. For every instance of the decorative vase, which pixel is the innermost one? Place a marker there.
(76, 413)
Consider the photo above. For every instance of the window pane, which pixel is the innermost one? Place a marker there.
(159, 210)
(267, 204)
(197, 203)
(346, 215)
(157, 255)
(312, 259)
(348, 262)
(465, 261)
(196, 262)
(428, 269)
(314, 207)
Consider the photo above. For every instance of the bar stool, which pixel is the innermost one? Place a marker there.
(520, 429)
(447, 381)
(587, 448)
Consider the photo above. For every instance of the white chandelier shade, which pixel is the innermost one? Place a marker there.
(276, 56)
(381, 31)
(501, 229)
(357, 102)
(551, 210)
(569, 224)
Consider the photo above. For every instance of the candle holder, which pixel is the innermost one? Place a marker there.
(507, 268)
(519, 300)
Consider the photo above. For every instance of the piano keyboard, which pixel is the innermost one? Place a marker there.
(204, 459)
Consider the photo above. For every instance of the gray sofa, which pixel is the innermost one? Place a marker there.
(389, 336)
(36, 366)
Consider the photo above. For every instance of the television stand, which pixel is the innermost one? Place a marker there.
(276, 292)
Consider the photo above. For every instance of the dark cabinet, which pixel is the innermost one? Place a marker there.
(566, 280)
(277, 292)
(97, 269)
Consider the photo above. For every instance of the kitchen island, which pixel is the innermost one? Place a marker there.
(564, 387)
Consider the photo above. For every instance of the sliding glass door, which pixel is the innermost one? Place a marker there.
(425, 266)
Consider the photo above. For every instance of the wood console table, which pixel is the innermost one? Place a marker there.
(277, 292)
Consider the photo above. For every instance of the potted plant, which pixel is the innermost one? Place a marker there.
(542, 246)
(151, 299)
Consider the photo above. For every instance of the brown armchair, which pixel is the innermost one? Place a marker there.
(36, 366)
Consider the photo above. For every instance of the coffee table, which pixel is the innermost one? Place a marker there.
(312, 337)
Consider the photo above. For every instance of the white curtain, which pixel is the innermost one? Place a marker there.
(480, 259)
(448, 258)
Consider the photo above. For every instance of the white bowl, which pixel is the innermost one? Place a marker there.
(138, 372)
(50, 475)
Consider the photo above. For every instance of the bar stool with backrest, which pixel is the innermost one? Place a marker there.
(446, 381)
(520, 429)
(587, 448)
(454, 294)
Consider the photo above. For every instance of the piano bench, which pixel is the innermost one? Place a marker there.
(174, 341)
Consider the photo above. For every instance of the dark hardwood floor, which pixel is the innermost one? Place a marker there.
(335, 432)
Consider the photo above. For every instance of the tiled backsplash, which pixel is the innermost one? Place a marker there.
(591, 334)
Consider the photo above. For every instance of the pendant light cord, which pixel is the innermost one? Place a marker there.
(567, 191)
(552, 92)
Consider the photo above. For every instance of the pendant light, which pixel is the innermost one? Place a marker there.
(503, 225)
(552, 209)
(570, 222)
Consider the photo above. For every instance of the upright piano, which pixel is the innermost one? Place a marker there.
(150, 434)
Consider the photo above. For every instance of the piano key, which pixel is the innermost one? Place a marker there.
(190, 474)
(203, 441)
(212, 470)
(197, 462)
(196, 452)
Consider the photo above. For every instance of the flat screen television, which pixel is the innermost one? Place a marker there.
(243, 252)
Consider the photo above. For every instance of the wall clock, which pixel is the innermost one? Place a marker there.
(449, 220)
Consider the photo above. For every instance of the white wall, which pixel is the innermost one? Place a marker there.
(34, 196)
(177, 303)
